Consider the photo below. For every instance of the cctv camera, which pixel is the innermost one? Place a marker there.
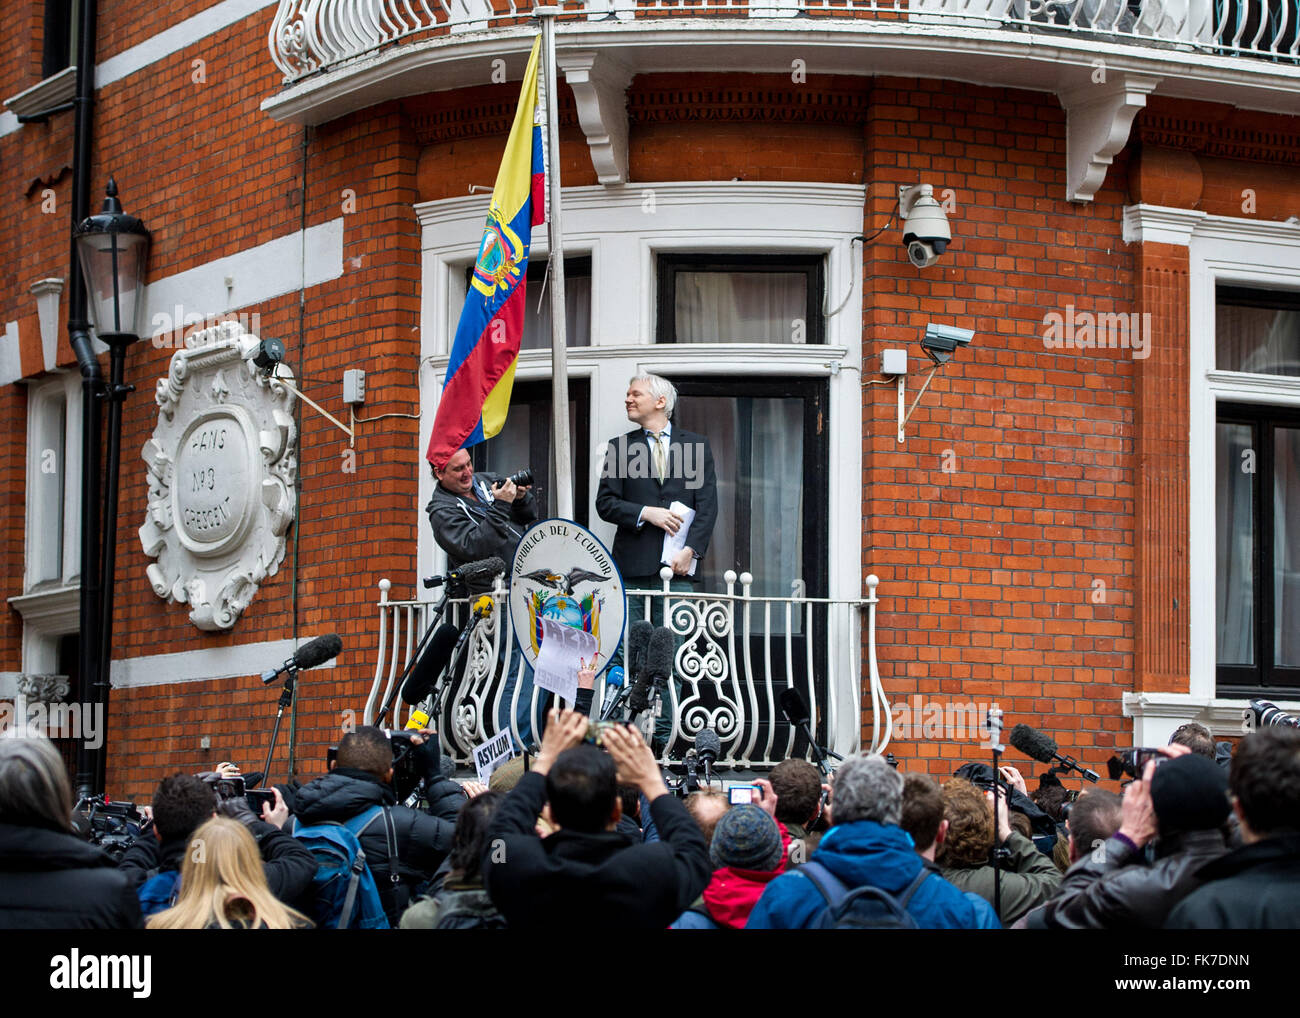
(268, 353)
(925, 227)
(941, 341)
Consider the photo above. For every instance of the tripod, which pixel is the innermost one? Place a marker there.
(438, 610)
(997, 854)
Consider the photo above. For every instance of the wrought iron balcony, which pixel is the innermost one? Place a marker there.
(308, 36)
(735, 654)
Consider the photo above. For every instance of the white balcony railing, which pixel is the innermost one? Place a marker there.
(307, 36)
(736, 653)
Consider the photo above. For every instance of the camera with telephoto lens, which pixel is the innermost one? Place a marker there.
(521, 478)
(1132, 762)
(1267, 714)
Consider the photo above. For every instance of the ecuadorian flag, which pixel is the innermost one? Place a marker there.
(481, 372)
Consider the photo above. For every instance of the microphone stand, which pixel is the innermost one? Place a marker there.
(286, 698)
(820, 752)
(434, 697)
(438, 610)
(997, 853)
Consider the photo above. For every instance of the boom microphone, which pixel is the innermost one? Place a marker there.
(309, 655)
(707, 747)
(430, 664)
(476, 576)
(1037, 746)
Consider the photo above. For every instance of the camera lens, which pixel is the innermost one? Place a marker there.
(522, 478)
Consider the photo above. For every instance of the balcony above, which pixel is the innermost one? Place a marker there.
(1100, 57)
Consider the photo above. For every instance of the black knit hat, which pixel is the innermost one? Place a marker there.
(746, 838)
(1189, 793)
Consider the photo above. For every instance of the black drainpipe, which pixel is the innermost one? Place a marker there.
(92, 386)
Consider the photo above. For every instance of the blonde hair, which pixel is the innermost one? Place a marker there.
(222, 879)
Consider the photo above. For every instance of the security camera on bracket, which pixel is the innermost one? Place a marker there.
(926, 233)
(940, 342)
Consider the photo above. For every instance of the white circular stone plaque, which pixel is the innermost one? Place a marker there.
(222, 464)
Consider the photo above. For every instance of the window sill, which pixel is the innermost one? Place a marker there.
(52, 611)
(53, 91)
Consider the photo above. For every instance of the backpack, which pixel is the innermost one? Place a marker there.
(344, 893)
(159, 892)
(863, 908)
(463, 910)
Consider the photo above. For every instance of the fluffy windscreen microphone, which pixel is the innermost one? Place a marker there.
(794, 707)
(479, 576)
(658, 665)
(318, 651)
(708, 747)
(430, 664)
(1033, 744)
(638, 636)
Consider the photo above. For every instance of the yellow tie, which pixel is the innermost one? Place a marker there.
(661, 458)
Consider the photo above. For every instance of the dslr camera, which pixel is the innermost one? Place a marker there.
(234, 788)
(1132, 762)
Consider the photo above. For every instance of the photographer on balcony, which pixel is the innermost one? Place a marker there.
(478, 516)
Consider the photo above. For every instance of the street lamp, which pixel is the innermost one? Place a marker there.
(112, 248)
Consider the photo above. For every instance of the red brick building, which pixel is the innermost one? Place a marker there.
(1093, 518)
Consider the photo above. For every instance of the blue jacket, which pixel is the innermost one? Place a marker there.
(866, 852)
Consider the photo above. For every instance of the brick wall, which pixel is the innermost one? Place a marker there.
(1003, 531)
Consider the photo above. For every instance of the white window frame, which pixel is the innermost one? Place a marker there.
(1233, 251)
(50, 607)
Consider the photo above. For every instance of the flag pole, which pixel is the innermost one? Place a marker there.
(560, 440)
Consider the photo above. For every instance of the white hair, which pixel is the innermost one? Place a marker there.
(659, 388)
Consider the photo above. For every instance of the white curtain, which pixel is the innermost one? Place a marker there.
(577, 318)
(1263, 341)
(741, 307)
(1235, 546)
(1286, 547)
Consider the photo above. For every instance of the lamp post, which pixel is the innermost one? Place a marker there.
(112, 248)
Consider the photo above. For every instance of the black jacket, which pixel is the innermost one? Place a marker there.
(1117, 890)
(55, 881)
(628, 484)
(287, 863)
(1255, 887)
(422, 841)
(468, 529)
(591, 881)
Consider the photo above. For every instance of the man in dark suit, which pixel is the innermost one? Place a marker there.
(645, 472)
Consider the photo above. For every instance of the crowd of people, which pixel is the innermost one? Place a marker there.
(587, 834)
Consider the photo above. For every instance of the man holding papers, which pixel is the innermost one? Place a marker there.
(658, 487)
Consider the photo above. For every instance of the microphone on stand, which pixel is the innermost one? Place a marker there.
(477, 577)
(1043, 748)
(707, 747)
(309, 655)
(795, 709)
(658, 667)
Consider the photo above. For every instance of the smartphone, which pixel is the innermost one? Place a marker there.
(742, 795)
